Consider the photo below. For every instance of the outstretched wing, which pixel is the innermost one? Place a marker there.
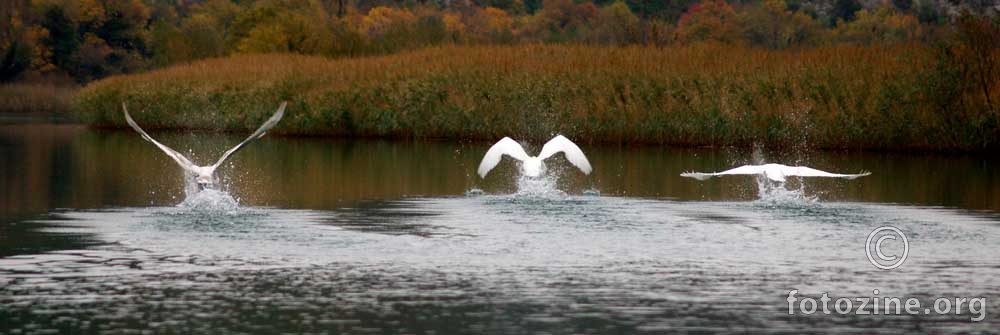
(180, 159)
(805, 171)
(573, 153)
(505, 146)
(743, 170)
(270, 123)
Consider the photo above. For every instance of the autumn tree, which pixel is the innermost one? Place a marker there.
(205, 35)
(882, 26)
(381, 21)
(977, 50)
(61, 37)
(510, 6)
(773, 25)
(169, 44)
(709, 20)
(298, 26)
(561, 21)
(94, 38)
(207, 26)
(16, 44)
(454, 27)
(491, 24)
(616, 25)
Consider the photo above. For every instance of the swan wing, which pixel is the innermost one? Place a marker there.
(573, 153)
(178, 157)
(743, 170)
(805, 171)
(260, 132)
(506, 146)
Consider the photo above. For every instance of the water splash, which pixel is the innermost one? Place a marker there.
(209, 200)
(542, 187)
(771, 194)
(777, 194)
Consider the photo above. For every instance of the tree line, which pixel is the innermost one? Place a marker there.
(78, 41)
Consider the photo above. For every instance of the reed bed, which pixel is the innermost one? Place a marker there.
(836, 97)
(35, 98)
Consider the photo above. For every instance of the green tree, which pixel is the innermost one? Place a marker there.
(532, 6)
(616, 25)
(843, 10)
(299, 26)
(15, 49)
(927, 13)
(62, 38)
(170, 45)
(124, 25)
(205, 36)
(95, 59)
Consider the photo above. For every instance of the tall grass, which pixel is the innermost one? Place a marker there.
(830, 97)
(35, 98)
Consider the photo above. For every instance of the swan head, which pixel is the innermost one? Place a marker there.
(533, 167)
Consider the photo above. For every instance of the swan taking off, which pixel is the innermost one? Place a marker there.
(205, 175)
(532, 166)
(775, 172)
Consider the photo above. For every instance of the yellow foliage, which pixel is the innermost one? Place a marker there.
(884, 25)
(380, 20)
(453, 23)
(496, 20)
(265, 38)
(42, 53)
(92, 12)
(222, 12)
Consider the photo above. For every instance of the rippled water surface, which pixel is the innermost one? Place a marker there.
(325, 236)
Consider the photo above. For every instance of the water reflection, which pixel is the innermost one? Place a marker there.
(33, 234)
(67, 166)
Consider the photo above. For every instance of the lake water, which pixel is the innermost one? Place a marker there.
(315, 235)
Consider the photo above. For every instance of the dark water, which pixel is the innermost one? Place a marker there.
(334, 236)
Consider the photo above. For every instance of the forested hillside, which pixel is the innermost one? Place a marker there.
(77, 41)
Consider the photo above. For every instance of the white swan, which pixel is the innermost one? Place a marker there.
(775, 172)
(205, 175)
(532, 166)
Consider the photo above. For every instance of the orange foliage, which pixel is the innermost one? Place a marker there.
(709, 20)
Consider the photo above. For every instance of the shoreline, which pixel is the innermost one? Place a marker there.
(486, 142)
(839, 97)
